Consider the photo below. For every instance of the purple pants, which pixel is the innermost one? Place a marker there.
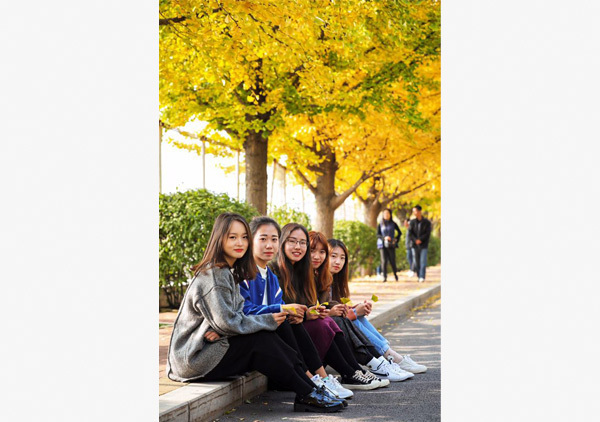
(322, 331)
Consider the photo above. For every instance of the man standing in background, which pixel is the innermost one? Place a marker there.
(419, 231)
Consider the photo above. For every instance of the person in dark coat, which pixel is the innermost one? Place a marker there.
(419, 232)
(387, 242)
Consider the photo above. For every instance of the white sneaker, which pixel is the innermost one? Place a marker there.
(421, 280)
(334, 386)
(396, 368)
(381, 368)
(410, 365)
(410, 273)
(317, 380)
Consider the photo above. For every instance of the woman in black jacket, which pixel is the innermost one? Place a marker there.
(387, 242)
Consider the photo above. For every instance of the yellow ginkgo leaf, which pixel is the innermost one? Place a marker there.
(346, 301)
(374, 298)
(291, 308)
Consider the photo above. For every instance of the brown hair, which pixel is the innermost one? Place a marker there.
(340, 280)
(296, 280)
(323, 277)
(244, 268)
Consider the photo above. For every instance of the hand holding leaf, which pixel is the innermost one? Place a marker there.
(289, 309)
(346, 301)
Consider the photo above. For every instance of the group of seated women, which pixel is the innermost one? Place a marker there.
(277, 301)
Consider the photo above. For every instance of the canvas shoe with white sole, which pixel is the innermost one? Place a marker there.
(359, 381)
(382, 382)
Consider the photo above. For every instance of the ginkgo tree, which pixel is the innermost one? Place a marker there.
(245, 67)
(333, 155)
(418, 177)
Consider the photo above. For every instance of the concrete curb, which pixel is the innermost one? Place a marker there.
(201, 402)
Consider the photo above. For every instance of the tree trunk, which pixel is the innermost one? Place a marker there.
(372, 209)
(324, 220)
(255, 148)
(326, 194)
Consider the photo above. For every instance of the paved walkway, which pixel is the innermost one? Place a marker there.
(414, 400)
(360, 289)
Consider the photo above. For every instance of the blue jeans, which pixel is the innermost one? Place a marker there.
(371, 333)
(420, 255)
(409, 258)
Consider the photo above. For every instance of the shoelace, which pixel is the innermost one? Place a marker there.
(339, 387)
(370, 376)
(335, 382)
(359, 376)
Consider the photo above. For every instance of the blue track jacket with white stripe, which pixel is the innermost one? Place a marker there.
(253, 292)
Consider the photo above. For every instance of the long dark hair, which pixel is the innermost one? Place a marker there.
(244, 268)
(296, 280)
(383, 220)
(323, 278)
(257, 222)
(340, 287)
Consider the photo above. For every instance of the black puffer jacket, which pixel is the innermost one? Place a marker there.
(419, 231)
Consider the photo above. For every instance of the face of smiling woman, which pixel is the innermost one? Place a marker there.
(318, 255)
(336, 260)
(235, 244)
(295, 246)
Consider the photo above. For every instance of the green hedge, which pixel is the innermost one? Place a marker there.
(361, 241)
(284, 215)
(186, 220)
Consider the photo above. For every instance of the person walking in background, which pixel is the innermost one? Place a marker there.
(387, 242)
(419, 231)
(409, 255)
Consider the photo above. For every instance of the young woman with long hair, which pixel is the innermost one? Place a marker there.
(338, 266)
(294, 270)
(363, 350)
(387, 242)
(212, 337)
(263, 295)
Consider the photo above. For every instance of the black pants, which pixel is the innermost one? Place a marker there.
(340, 357)
(267, 353)
(388, 255)
(296, 336)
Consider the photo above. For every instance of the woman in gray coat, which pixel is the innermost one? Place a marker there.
(212, 337)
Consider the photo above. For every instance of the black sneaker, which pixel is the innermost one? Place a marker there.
(316, 402)
(359, 381)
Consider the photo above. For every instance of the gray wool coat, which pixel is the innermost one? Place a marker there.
(212, 301)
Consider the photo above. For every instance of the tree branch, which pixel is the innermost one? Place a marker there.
(306, 182)
(167, 21)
